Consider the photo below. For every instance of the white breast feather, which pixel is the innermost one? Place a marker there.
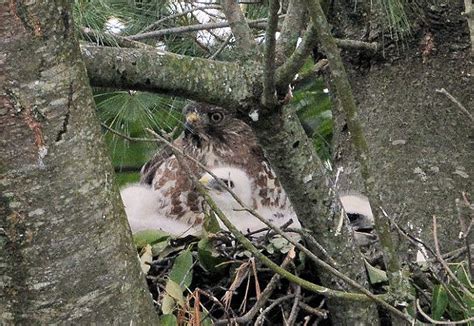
(244, 187)
(142, 206)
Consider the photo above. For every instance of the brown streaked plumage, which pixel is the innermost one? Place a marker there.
(217, 139)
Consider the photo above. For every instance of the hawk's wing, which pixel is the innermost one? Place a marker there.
(148, 171)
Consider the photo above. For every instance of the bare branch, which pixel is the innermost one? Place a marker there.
(455, 101)
(221, 47)
(269, 96)
(285, 73)
(189, 28)
(115, 132)
(177, 15)
(111, 39)
(315, 311)
(275, 303)
(288, 70)
(344, 93)
(240, 27)
(295, 308)
(290, 30)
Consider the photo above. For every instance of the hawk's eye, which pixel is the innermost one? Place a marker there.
(216, 117)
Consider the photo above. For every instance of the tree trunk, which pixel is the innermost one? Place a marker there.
(421, 143)
(286, 145)
(66, 251)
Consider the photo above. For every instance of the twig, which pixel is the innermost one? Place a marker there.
(314, 244)
(466, 230)
(438, 322)
(179, 14)
(187, 29)
(216, 301)
(270, 307)
(221, 47)
(418, 242)
(295, 308)
(115, 132)
(315, 311)
(455, 101)
(444, 264)
(268, 96)
(112, 39)
(266, 293)
(291, 277)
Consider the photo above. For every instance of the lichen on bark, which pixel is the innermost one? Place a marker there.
(66, 251)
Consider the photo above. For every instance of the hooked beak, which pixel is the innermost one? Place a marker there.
(192, 118)
(190, 121)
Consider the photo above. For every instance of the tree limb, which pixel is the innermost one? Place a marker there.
(189, 28)
(179, 14)
(290, 31)
(240, 28)
(344, 93)
(285, 73)
(268, 96)
(221, 83)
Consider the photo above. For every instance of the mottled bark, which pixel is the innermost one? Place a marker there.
(222, 83)
(291, 28)
(66, 252)
(244, 39)
(303, 176)
(420, 142)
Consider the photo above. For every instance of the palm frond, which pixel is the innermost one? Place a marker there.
(396, 18)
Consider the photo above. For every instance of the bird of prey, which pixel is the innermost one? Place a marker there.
(241, 185)
(218, 139)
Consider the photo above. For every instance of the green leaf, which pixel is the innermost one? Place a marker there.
(158, 248)
(182, 273)
(439, 302)
(376, 275)
(211, 224)
(150, 237)
(208, 257)
(167, 304)
(205, 319)
(168, 320)
(175, 291)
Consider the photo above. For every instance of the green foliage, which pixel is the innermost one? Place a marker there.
(150, 237)
(168, 320)
(314, 110)
(130, 113)
(396, 18)
(439, 302)
(181, 273)
(452, 301)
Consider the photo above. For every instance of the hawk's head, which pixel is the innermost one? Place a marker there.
(204, 123)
